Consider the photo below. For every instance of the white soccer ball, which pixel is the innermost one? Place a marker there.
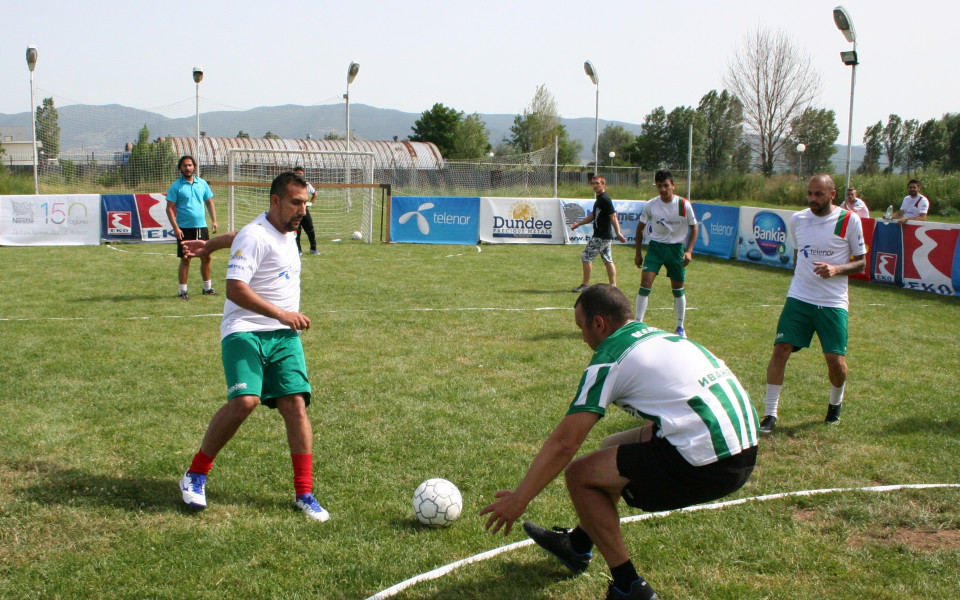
(437, 503)
(357, 235)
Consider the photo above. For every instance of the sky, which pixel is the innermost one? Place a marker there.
(485, 57)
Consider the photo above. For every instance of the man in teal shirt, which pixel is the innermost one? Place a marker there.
(185, 200)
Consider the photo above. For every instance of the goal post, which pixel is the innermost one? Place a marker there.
(345, 199)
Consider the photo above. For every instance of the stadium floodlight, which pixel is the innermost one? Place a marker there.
(352, 71)
(197, 78)
(800, 148)
(32, 64)
(591, 72)
(845, 24)
(611, 155)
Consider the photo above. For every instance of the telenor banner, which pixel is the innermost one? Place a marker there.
(50, 220)
(718, 229)
(434, 220)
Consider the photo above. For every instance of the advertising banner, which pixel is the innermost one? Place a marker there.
(135, 218)
(763, 237)
(434, 220)
(928, 256)
(574, 210)
(886, 258)
(521, 221)
(868, 225)
(718, 229)
(50, 220)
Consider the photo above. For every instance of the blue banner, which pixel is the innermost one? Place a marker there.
(763, 237)
(628, 213)
(434, 220)
(119, 221)
(718, 229)
(956, 270)
(886, 256)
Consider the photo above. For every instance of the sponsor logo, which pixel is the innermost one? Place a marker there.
(235, 387)
(808, 251)
(422, 223)
(119, 222)
(22, 212)
(770, 233)
(886, 268)
(522, 221)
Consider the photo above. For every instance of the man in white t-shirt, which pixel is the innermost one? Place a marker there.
(668, 222)
(699, 444)
(260, 340)
(854, 204)
(828, 247)
(914, 206)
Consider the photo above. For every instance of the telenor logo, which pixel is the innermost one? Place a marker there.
(422, 224)
(770, 233)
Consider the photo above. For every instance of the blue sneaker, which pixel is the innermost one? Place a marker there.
(557, 543)
(193, 488)
(681, 332)
(309, 505)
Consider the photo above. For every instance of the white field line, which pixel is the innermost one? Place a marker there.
(440, 572)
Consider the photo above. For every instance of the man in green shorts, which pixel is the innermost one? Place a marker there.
(260, 340)
(828, 247)
(669, 222)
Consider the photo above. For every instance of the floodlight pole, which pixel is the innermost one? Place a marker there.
(853, 83)
(352, 71)
(197, 78)
(591, 72)
(844, 23)
(32, 64)
(800, 148)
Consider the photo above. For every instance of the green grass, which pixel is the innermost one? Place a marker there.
(433, 361)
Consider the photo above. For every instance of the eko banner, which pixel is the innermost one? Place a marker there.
(717, 235)
(50, 220)
(135, 218)
(928, 257)
(868, 226)
(521, 221)
(434, 220)
(764, 237)
(575, 210)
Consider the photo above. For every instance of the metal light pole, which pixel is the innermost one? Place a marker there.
(352, 71)
(197, 78)
(611, 155)
(842, 19)
(591, 72)
(800, 148)
(32, 64)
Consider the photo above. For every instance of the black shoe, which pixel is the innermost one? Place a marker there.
(183, 296)
(767, 424)
(639, 590)
(210, 292)
(580, 288)
(557, 543)
(833, 414)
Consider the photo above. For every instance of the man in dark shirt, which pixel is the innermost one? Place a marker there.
(606, 227)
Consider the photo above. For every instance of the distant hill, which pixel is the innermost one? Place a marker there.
(108, 128)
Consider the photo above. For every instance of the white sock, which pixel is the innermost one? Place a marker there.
(642, 306)
(207, 285)
(836, 394)
(183, 288)
(773, 399)
(680, 308)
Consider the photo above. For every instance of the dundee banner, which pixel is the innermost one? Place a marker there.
(718, 229)
(521, 221)
(50, 220)
(764, 237)
(135, 218)
(574, 210)
(434, 220)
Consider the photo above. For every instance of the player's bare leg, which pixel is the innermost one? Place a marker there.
(587, 272)
(611, 273)
(225, 423)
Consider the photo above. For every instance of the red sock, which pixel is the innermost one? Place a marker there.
(302, 473)
(201, 463)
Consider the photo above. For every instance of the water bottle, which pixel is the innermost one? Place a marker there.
(889, 213)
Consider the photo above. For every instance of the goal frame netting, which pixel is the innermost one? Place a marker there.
(345, 201)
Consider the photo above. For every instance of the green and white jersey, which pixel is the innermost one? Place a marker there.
(831, 239)
(667, 222)
(694, 400)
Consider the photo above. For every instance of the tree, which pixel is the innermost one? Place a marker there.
(893, 142)
(722, 131)
(271, 136)
(677, 137)
(618, 139)
(817, 129)
(243, 134)
(775, 82)
(952, 122)
(149, 161)
(48, 128)
(332, 136)
(472, 139)
(438, 125)
(650, 145)
(873, 141)
(539, 125)
(909, 135)
(930, 145)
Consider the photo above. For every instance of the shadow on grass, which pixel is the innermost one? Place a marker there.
(509, 579)
(126, 298)
(53, 485)
(910, 425)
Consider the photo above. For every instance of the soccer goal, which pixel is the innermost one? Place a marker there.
(347, 199)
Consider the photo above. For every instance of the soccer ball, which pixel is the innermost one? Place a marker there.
(437, 503)
(357, 235)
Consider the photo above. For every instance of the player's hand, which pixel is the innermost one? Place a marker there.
(638, 260)
(687, 257)
(574, 226)
(214, 225)
(177, 233)
(194, 248)
(621, 239)
(294, 320)
(824, 270)
(504, 512)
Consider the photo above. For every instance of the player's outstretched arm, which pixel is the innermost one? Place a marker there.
(193, 248)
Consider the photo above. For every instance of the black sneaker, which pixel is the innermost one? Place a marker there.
(557, 543)
(767, 424)
(210, 292)
(580, 288)
(183, 296)
(833, 414)
(639, 590)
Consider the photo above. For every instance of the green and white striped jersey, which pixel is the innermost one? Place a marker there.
(694, 400)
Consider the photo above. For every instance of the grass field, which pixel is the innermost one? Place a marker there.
(442, 361)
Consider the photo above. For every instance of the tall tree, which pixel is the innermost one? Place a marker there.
(149, 161)
(677, 137)
(930, 145)
(873, 141)
(539, 124)
(48, 128)
(893, 142)
(775, 82)
(472, 139)
(616, 138)
(910, 127)
(722, 130)
(817, 129)
(952, 122)
(438, 125)
(650, 145)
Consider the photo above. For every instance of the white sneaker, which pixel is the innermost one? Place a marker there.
(309, 505)
(193, 488)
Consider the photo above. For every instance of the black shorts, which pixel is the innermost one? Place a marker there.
(192, 233)
(661, 479)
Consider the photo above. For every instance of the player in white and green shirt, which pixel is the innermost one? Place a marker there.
(668, 222)
(828, 247)
(700, 443)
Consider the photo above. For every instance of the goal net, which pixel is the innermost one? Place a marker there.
(346, 200)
